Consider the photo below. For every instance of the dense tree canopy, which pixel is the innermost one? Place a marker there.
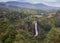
(16, 25)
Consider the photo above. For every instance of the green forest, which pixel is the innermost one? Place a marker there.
(16, 25)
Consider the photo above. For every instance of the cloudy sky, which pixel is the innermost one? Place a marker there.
(55, 3)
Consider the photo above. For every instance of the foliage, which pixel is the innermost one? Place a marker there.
(16, 25)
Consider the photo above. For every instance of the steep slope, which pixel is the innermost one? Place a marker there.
(53, 36)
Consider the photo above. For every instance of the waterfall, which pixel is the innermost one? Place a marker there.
(36, 30)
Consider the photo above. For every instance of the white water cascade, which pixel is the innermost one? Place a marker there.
(36, 30)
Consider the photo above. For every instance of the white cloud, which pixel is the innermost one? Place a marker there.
(32, 1)
(7, 0)
(49, 0)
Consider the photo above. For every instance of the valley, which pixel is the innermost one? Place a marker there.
(29, 25)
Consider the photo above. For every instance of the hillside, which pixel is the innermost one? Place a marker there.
(17, 25)
(40, 6)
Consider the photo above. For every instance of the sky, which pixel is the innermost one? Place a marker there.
(54, 3)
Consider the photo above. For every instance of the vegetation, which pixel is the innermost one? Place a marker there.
(16, 25)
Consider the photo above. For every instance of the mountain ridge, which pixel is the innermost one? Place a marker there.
(40, 6)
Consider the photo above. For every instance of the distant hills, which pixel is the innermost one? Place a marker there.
(39, 6)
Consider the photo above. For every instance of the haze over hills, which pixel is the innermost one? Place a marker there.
(40, 6)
